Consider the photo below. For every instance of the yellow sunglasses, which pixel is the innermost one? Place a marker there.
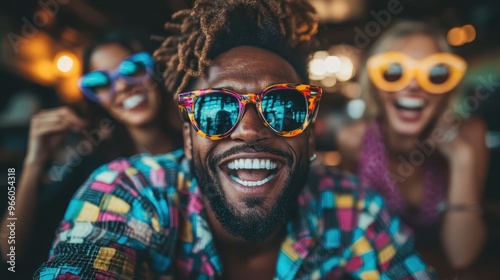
(437, 73)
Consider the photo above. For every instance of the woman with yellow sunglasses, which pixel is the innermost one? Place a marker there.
(428, 162)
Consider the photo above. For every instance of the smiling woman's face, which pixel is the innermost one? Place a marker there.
(410, 110)
(133, 105)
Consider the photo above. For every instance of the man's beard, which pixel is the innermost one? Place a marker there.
(255, 226)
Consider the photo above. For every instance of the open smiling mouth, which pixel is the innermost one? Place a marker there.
(252, 172)
(133, 101)
(408, 103)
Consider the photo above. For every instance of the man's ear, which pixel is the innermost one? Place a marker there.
(188, 145)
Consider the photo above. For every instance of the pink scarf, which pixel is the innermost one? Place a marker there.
(374, 173)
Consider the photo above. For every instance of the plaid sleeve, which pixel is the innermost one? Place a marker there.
(111, 224)
(383, 248)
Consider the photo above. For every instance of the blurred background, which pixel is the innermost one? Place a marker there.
(41, 43)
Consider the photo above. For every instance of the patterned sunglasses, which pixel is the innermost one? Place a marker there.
(286, 109)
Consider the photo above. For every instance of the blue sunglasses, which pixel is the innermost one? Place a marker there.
(100, 84)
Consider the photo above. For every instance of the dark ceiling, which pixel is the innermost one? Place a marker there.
(88, 17)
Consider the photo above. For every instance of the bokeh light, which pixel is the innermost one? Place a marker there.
(455, 36)
(317, 67)
(458, 36)
(470, 33)
(64, 64)
(332, 64)
(356, 108)
(346, 70)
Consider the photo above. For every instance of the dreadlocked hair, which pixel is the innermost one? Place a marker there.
(214, 27)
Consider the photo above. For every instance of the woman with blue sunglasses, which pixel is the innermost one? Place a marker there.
(128, 112)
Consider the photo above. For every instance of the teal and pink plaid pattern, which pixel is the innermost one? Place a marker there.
(144, 217)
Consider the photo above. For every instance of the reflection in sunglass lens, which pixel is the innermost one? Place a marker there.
(284, 109)
(98, 82)
(393, 73)
(216, 113)
(132, 68)
(439, 74)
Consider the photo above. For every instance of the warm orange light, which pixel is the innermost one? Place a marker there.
(67, 66)
(332, 158)
(469, 32)
(68, 90)
(456, 36)
(34, 59)
(42, 70)
(66, 63)
(339, 10)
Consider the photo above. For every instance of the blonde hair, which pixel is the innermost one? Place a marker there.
(399, 30)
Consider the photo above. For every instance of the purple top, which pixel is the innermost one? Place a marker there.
(374, 172)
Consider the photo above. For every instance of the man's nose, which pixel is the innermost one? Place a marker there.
(250, 128)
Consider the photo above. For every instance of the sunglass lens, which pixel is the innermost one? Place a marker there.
(134, 69)
(284, 109)
(98, 82)
(393, 73)
(216, 113)
(439, 74)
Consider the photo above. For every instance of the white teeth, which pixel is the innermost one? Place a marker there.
(133, 101)
(410, 103)
(251, 164)
(252, 183)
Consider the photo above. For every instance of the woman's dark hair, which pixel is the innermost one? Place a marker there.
(120, 143)
(133, 40)
(214, 27)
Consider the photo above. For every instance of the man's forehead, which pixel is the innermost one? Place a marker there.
(247, 68)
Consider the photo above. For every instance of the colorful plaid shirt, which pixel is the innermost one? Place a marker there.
(145, 216)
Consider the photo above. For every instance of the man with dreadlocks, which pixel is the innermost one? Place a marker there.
(242, 200)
